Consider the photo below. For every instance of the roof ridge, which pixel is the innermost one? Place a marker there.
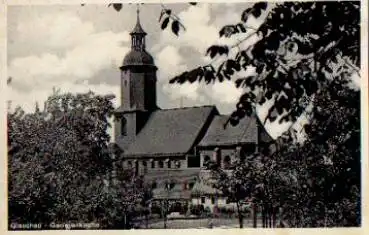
(190, 107)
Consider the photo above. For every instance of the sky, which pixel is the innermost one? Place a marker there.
(80, 48)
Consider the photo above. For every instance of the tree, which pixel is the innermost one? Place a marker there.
(323, 174)
(300, 63)
(292, 59)
(60, 167)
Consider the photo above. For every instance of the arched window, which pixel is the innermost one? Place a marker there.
(137, 167)
(152, 164)
(123, 126)
(217, 156)
(144, 164)
(206, 160)
(227, 161)
(161, 164)
(169, 163)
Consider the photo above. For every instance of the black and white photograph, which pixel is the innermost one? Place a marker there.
(185, 115)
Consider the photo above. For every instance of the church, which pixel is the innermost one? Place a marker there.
(169, 147)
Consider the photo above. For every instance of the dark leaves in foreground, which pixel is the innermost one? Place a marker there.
(165, 23)
(116, 6)
(309, 33)
(175, 27)
(214, 50)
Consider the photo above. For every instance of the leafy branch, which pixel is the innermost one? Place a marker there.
(166, 15)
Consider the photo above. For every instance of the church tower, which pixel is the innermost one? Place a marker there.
(138, 87)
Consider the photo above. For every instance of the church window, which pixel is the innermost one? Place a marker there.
(161, 164)
(206, 160)
(226, 162)
(137, 168)
(123, 127)
(217, 156)
(169, 164)
(144, 164)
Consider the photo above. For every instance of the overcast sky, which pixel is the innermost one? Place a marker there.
(77, 49)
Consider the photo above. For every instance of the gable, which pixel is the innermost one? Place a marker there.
(221, 133)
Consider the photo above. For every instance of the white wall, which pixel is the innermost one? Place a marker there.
(220, 202)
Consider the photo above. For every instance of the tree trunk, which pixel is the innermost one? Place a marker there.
(146, 221)
(255, 218)
(240, 217)
(125, 221)
(262, 216)
(274, 217)
(270, 215)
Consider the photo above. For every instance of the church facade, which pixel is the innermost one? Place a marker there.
(170, 147)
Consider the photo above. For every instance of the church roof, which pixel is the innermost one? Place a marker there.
(246, 131)
(171, 132)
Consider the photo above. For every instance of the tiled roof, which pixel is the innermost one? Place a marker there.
(222, 133)
(162, 193)
(171, 131)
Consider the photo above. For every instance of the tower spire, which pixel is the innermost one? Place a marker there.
(138, 28)
(138, 34)
(138, 13)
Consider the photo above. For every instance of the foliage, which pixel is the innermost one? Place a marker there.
(327, 166)
(292, 58)
(315, 183)
(197, 209)
(166, 16)
(59, 166)
(300, 63)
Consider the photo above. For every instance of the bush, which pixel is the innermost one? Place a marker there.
(197, 209)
